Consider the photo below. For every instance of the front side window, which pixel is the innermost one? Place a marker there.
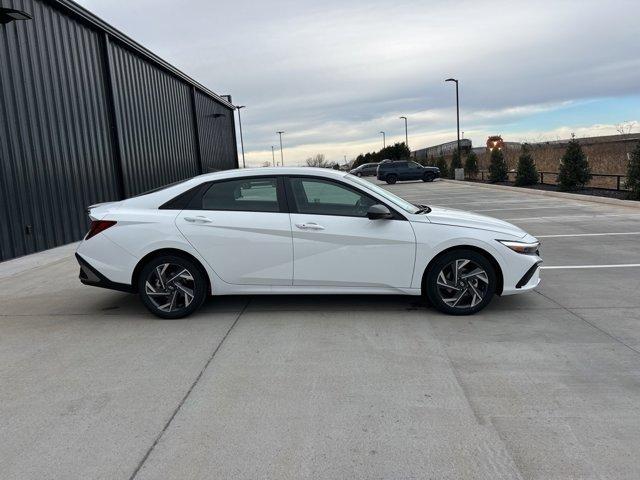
(413, 165)
(394, 199)
(321, 197)
(245, 194)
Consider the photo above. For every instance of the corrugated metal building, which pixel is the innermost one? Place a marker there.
(86, 116)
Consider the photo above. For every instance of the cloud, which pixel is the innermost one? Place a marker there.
(333, 74)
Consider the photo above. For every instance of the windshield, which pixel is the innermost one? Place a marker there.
(397, 201)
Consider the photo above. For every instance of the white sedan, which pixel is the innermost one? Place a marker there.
(299, 231)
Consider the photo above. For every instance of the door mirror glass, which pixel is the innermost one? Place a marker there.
(378, 212)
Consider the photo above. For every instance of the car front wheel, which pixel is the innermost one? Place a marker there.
(391, 179)
(461, 282)
(428, 177)
(172, 286)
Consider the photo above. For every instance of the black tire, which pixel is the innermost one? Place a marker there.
(176, 292)
(428, 177)
(391, 179)
(359, 174)
(435, 290)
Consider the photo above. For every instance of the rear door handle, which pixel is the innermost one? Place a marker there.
(198, 219)
(309, 226)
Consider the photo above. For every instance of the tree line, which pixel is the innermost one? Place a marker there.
(574, 172)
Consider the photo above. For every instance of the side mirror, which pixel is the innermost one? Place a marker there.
(378, 212)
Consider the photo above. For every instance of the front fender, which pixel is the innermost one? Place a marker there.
(433, 239)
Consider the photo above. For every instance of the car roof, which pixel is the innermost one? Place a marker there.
(251, 172)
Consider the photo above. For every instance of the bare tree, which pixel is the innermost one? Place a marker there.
(626, 127)
(318, 160)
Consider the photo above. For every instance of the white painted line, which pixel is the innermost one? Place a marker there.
(526, 208)
(570, 217)
(558, 267)
(519, 201)
(586, 234)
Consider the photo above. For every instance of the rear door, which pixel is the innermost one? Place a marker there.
(335, 244)
(242, 229)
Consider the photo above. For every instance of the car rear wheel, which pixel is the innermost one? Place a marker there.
(391, 179)
(461, 282)
(172, 287)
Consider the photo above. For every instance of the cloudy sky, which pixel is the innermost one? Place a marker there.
(332, 74)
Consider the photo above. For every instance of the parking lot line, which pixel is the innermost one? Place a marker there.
(587, 234)
(558, 217)
(538, 207)
(573, 267)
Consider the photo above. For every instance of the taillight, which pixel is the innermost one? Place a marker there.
(98, 226)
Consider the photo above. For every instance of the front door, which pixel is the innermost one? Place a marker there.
(242, 230)
(415, 170)
(335, 244)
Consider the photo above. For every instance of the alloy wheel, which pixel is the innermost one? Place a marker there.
(170, 287)
(462, 284)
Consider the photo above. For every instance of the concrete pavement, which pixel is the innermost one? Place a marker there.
(538, 386)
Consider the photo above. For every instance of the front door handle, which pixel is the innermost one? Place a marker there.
(309, 226)
(198, 219)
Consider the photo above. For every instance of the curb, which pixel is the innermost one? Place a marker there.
(547, 193)
(32, 261)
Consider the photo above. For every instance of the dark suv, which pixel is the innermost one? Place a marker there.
(392, 171)
(365, 170)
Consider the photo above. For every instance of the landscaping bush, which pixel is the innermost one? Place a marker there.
(526, 172)
(574, 171)
(497, 167)
(471, 165)
(456, 162)
(633, 174)
(441, 163)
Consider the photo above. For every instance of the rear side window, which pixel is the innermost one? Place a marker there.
(248, 195)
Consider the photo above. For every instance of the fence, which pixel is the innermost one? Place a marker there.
(605, 181)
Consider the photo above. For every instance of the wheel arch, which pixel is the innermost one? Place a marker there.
(168, 251)
(484, 253)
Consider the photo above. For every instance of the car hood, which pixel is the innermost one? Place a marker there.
(460, 218)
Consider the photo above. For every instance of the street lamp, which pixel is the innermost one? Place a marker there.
(273, 155)
(8, 15)
(281, 155)
(457, 112)
(238, 107)
(406, 132)
(384, 139)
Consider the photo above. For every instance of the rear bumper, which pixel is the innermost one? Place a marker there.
(89, 275)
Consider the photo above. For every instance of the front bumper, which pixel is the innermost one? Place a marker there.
(530, 279)
(90, 276)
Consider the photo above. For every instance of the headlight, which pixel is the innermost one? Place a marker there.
(522, 247)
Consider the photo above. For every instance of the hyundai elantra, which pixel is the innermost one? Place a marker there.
(299, 231)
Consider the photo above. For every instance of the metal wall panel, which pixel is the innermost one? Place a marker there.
(55, 149)
(155, 123)
(86, 116)
(216, 128)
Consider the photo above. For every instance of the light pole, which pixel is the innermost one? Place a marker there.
(238, 107)
(384, 139)
(281, 155)
(273, 155)
(457, 112)
(406, 132)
